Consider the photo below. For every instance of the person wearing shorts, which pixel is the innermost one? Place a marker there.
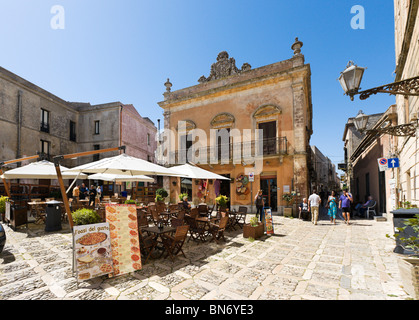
(345, 204)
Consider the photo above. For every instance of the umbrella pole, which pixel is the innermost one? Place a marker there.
(6, 186)
(63, 193)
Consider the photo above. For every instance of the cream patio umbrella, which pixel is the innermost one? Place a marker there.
(194, 172)
(123, 165)
(119, 177)
(189, 171)
(40, 170)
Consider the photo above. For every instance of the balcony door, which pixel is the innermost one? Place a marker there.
(269, 137)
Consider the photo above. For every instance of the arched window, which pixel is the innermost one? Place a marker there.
(223, 120)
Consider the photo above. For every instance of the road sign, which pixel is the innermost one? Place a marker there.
(393, 163)
(251, 176)
(382, 164)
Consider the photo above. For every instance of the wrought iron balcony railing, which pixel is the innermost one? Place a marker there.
(223, 153)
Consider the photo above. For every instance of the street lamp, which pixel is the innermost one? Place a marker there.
(360, 121)
(402, 130)
(350, 80)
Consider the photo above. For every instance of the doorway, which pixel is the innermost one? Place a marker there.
(268, 185)
(225, 188)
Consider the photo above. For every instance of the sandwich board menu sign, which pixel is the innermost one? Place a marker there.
(92, 250)
(268, 221)
(126, 256)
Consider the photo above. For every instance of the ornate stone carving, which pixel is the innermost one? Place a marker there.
(266, 110)
(222, 120)
(224, 67)
(297, 47)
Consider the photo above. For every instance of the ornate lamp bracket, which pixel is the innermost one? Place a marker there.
(402, 130)
(408, 87)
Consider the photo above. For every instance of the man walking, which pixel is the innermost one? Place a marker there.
(313, 206)
(345, 204)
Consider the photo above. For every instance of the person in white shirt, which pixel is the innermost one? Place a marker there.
(313, 206)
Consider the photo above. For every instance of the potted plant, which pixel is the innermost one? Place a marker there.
(3, 206)
(85, 216)
(409, 267)
(221, 202)
(161, 194)
(181, 196)
(254, 229)
(288, 198)
(131, 201)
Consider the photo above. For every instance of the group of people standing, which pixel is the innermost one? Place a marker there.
(333, 203)
(82, 192)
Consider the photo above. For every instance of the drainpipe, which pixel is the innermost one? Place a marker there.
(19, 125)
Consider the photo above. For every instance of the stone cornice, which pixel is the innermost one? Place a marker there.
(267, 74)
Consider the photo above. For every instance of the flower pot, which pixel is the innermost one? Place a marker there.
(287, 211)
(253, 232)
(409, 272)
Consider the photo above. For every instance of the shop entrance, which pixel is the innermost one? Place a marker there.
(268, 185)
(225, 188)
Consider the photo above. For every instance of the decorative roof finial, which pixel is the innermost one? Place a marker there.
(168, 85)
(297, 47)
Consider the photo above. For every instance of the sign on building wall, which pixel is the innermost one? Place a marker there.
(385, 164)
(382, 164)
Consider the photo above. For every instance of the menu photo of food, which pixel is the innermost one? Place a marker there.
(126, 255)
(92, 250)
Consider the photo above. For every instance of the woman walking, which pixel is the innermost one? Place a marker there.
(259, 205)
(333, 207)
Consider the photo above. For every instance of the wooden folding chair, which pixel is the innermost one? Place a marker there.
(147, 244)
(196, 233)
(142, 220)
(217, 230)
(174, 244)
(176, 222)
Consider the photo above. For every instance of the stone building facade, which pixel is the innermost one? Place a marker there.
(275, 98)
(34, 121)
(407, 66)
(351, 139)
(323, 173)
(367, 179)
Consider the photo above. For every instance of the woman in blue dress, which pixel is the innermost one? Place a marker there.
(333, 207)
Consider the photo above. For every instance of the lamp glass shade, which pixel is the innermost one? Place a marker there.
(361, 121)
(350, 79)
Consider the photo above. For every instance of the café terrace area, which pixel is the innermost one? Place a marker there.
(187, 252)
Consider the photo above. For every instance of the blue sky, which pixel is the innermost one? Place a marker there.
(125, 50)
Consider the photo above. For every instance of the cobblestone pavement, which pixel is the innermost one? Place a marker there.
(301, 261)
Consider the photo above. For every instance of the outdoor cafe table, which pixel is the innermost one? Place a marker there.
(39, 208)
(205, 223)
(158, 233)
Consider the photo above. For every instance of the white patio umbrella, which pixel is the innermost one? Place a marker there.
(40, 170)
(123, 165)
(194, 172)
(119, 177)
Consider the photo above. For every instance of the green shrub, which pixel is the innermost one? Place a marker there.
(254, 222)
(3, 204)
(222, 200)
(162, 192)
(182, 195)
(130, 202)
(159, 198)
(85, 216)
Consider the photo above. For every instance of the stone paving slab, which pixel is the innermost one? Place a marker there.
(300, 262)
